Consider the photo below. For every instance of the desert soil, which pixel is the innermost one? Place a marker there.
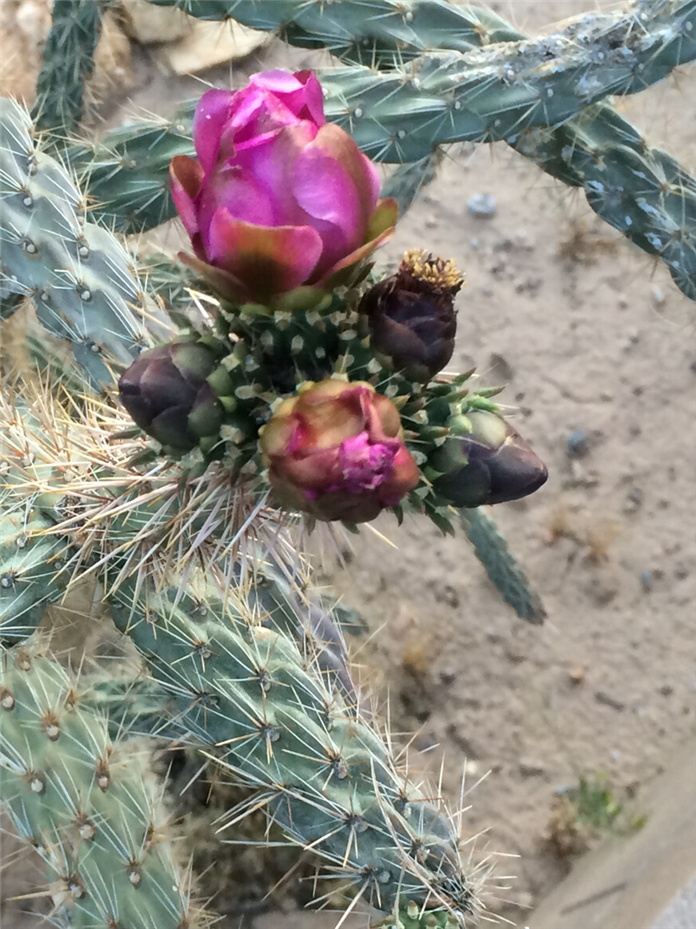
(589, 335)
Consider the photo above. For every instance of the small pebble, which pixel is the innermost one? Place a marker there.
(482, 205)
(646, 580)
(633, 501)
(474, 243)
(623, 303)
(425, 743)
(577, 674)
(448, 675)
(666, 690)
(657, 295)
(577, 443)
(531, 768)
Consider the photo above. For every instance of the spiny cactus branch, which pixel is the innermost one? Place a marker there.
(501, 566)
(67, 65)
(494, 93)
(641, 191)
(281, 727)
(78, 276)
(126, 173)
(380, 33)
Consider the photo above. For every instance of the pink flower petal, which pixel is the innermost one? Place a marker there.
(301, 92)
(268, 260)
(323, 188)
(337, 146)
(212, 113)
(238, 191)
(185, 178)
(383, 219)
(271, 160)
(222, 281)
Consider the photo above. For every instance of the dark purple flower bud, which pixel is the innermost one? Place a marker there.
(166, 392)
(411, 315)
(492, 464)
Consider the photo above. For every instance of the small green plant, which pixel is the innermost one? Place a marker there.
(214, 405)
(582, 814)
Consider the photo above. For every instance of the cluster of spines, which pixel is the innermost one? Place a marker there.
(90, 808)
(494, 93)
(641, 191)
(30, 569)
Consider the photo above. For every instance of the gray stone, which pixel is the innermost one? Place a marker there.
(481, 205)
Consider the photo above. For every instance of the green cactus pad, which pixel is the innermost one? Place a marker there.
(89, 807)
(79, 277)
(30, 577)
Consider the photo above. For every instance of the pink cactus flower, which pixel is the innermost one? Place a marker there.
(336, 451)
(278, 197)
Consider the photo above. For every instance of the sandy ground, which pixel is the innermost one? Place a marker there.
(590, 336)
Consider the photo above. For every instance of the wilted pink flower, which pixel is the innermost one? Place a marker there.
(335, 451)
(278, 197)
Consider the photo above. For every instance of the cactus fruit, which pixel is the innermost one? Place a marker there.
(88, 806)
(79, 277)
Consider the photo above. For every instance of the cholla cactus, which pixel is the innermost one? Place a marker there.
(270, 379)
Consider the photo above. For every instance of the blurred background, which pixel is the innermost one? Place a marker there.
(571, 720)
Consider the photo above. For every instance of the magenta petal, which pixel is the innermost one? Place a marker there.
(374, 182)
(301, 92)
(238, 191)
(271, 160)
(277, 80)
(268, 260)
(313, 98)
(212, 112)
(185, 176)
(323, 188)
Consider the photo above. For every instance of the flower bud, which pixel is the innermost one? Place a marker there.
(166, 392)
(276, 197)
(411, 315)
(493, 464)
(335, 451)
